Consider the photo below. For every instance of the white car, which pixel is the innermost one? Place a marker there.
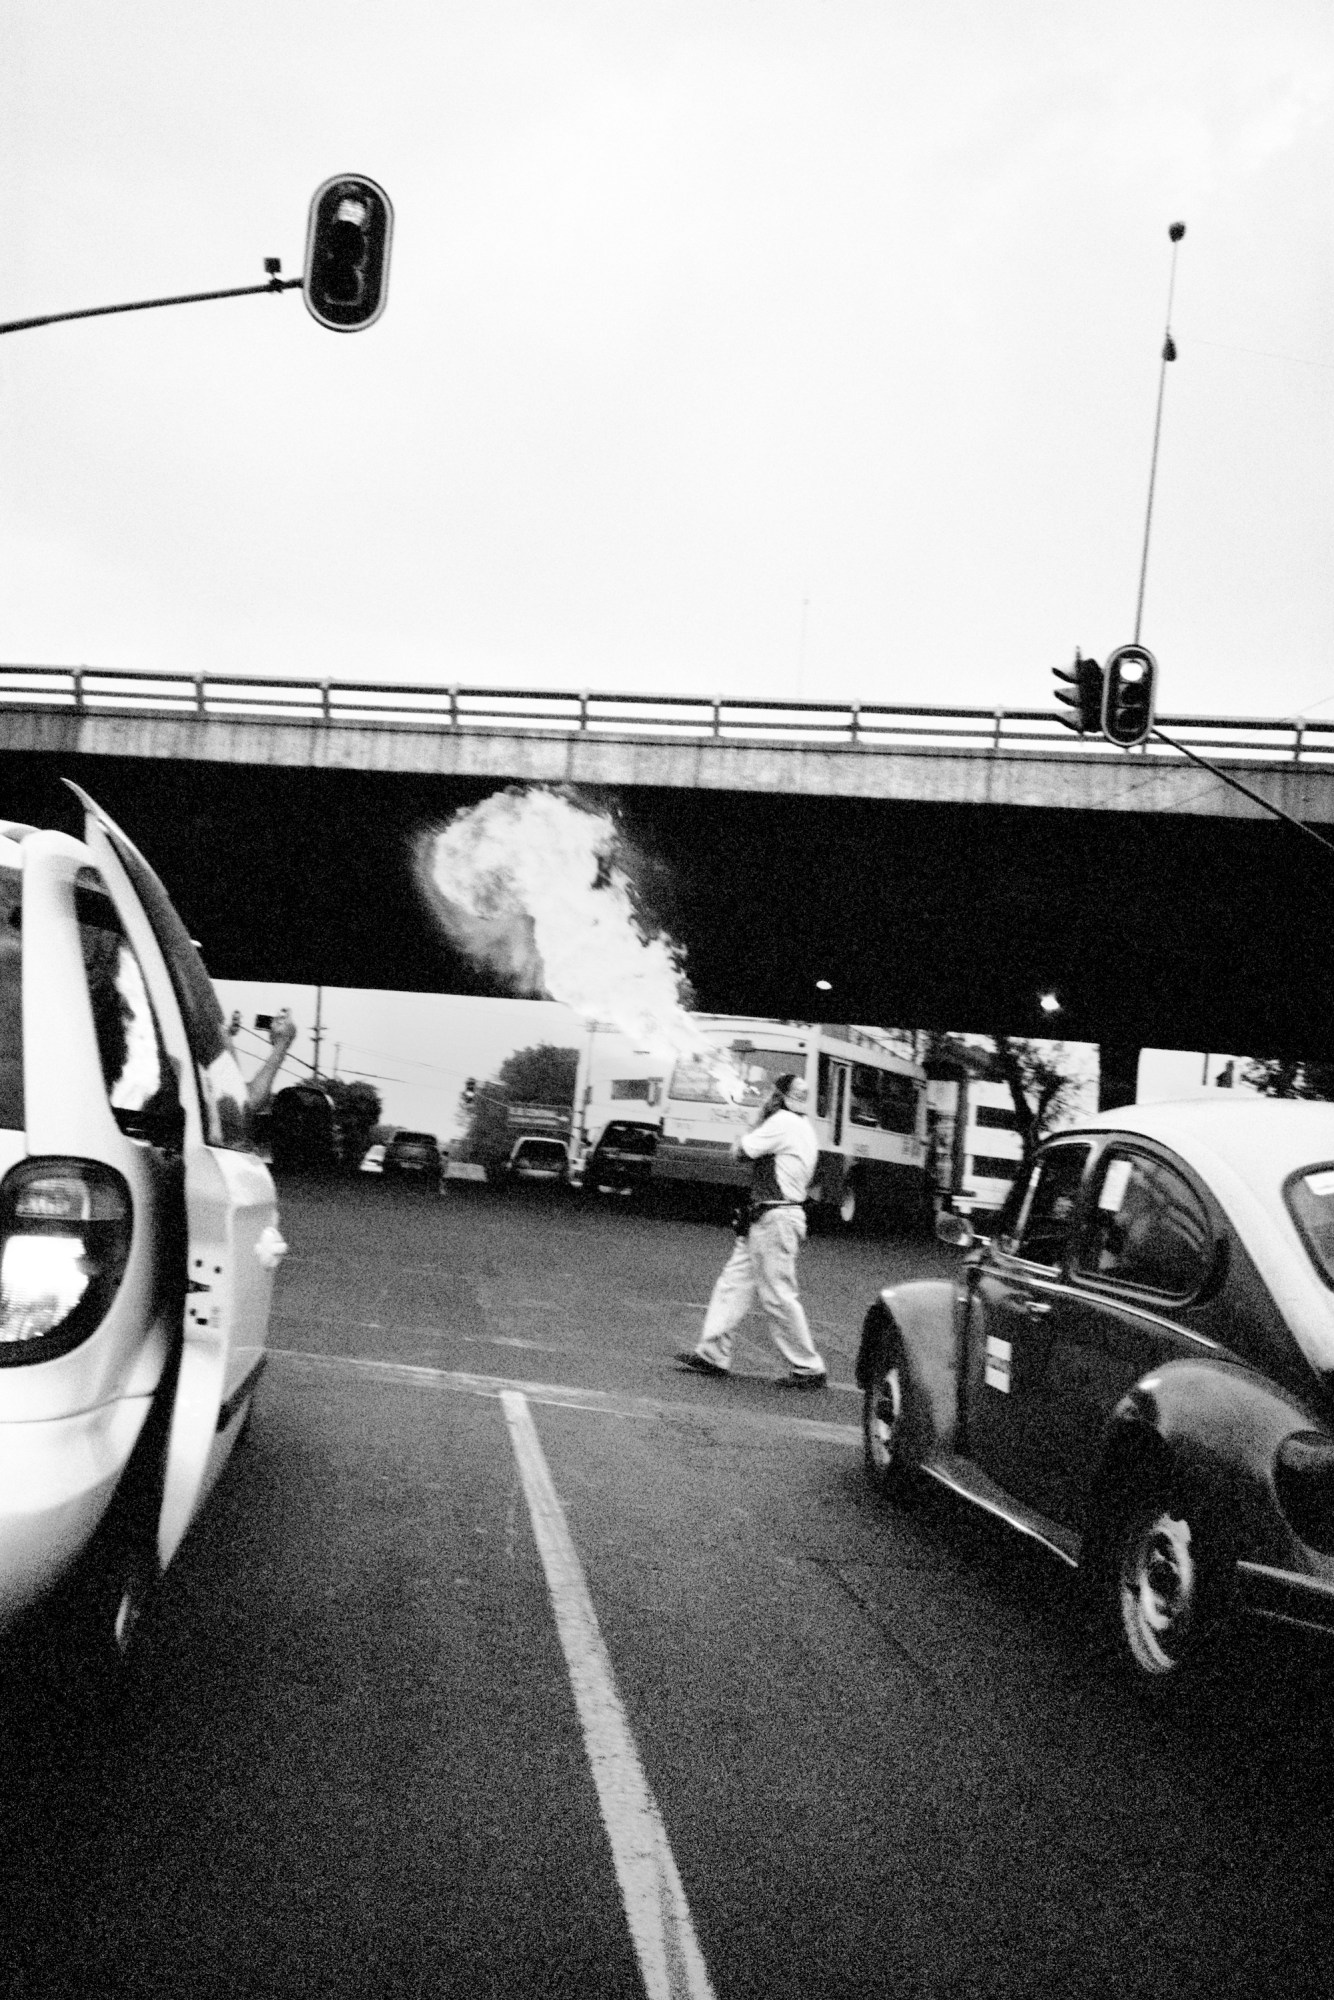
(138, 1232)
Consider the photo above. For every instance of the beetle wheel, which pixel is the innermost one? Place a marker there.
(1169, 1586)
(882, 1422)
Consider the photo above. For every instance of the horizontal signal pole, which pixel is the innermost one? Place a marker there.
(147, 305)
(1173, 743)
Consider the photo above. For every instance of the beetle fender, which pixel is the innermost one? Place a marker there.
(921, 1318)
(1214, 1429)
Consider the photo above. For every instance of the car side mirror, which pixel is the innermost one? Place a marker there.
(956, 1230)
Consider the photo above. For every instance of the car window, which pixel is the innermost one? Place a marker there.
(1310, 1199)
(1145, 1227)
(135, 1067)
(1036, 1221)
(11, 1000)
(224, 1098)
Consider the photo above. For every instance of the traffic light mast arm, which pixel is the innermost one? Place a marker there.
(146, 305)
(1245, 790)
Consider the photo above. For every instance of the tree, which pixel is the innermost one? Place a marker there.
(356, 1108)
(542, 1075)
(1041, 1087)
(1290, 1076)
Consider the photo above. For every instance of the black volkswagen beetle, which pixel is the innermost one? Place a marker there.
(1137, 1369)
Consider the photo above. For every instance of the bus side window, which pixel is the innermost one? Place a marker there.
(822, 1088)
(898, 1103)
(864, 1108)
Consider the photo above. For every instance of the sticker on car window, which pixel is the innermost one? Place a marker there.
(1321, 1184)
(996, 1374)
(1114, 1184)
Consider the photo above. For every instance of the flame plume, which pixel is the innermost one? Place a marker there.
(533, 885)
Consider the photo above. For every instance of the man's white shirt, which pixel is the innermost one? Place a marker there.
(789, 1138)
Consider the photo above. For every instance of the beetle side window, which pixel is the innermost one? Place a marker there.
(1310, 1199)
(1146, 1227)
(1044, 1213)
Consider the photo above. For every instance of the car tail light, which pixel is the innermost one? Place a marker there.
(65, 1229)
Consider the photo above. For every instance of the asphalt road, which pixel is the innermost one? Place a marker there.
(810, 1745)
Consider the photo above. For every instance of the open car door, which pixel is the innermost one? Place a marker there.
(233, 1246)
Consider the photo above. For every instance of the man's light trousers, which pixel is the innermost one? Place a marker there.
(764, 1266)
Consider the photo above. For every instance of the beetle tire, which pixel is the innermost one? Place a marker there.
(1168, 1586)
(883, 1412)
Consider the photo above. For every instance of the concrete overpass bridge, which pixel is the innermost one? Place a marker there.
(936, 866)
(940, 756)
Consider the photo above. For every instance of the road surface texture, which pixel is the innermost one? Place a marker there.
(509, 1659)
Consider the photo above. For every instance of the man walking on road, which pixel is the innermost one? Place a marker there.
(764, 1262)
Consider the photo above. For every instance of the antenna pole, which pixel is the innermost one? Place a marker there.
(1175, 232)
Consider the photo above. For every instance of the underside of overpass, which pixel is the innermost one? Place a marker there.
(1155, 928)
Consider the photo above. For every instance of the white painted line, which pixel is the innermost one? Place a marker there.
(670, 1959)
(605, 1402)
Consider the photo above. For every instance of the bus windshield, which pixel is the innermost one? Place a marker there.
(736, 1075)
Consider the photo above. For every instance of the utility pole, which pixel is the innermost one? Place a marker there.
(1175, 234)
(318, 1034)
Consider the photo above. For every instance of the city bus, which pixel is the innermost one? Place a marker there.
(867, 1105)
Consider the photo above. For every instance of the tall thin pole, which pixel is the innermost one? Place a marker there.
(1175, 232)
(318, 1035)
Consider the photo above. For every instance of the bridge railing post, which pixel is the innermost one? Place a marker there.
(996, 731)
(583, 711)
(326, 705)
(1299, 728)
(453, 708)
(78, 690)
(201, 706)
(855, 725)
(717, 715)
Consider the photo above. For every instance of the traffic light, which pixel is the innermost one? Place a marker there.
(1127, 695)
(346, 277)
(1085, 696)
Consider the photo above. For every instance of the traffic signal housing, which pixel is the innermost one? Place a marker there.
(1129, 685)
(346, 277)
(1084, 696)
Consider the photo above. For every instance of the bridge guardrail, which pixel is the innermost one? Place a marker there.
(687, 718)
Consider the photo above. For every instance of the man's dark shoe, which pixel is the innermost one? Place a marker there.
(699, 1363)
(795, 1381)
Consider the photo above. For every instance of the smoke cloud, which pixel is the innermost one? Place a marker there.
(534, 886)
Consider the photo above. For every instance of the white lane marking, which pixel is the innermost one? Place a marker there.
(605, 1402)
(661, 1929)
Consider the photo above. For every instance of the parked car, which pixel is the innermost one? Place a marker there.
(412, 1155)
(138, 1235)
(535, 1159)
(622, 1160)
(1137, 1370)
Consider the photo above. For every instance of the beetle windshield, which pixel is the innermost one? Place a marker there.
(1310, 1199)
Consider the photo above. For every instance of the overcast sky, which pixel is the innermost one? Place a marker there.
(776, 347)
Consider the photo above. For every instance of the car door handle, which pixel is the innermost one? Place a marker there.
(1037, 1308)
